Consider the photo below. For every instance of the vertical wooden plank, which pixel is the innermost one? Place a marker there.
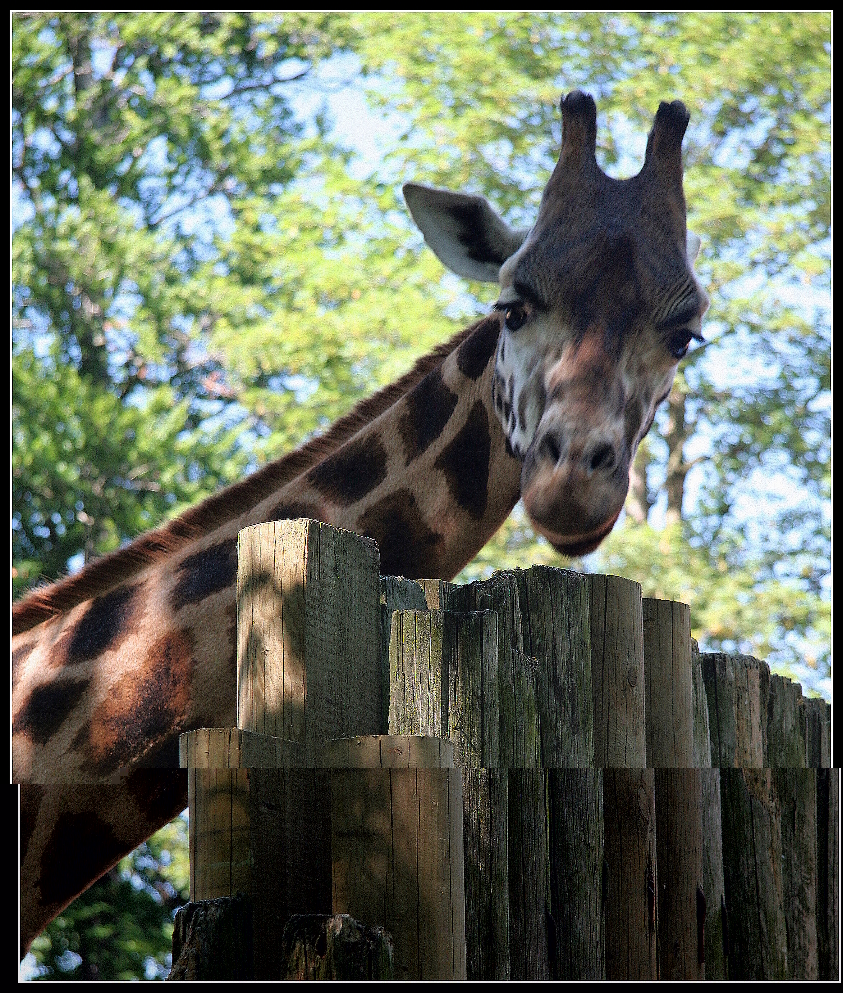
(309, 655)
(397, 593)
(786, 737)
(620, 749)
(669, 684)
(575, 809)
(397, 852)
(416, 676)
(529, 872)
(470, 667)
(630, 847)
(828, 887)
(220, 860)
(737, 687)
(486, 873)
(670, 750)
(617, 671)
(752, 871)
(716, 965)
(679, 854)
(796, 793)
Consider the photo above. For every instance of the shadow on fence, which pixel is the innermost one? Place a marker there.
(536, 776)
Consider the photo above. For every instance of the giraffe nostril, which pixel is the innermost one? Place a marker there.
(550, 448)
(602, 458)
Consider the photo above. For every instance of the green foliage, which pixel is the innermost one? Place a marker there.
(147, 150)
(122, 927)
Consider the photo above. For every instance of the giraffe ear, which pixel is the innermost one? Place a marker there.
(464, 232)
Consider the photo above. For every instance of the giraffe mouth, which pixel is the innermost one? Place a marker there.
(573, 507)
(575, 546)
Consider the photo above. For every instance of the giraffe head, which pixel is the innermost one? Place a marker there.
(598, 304)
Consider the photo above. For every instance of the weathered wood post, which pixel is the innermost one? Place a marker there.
(670, 751)
(308, 669)
(308, 653)
(544, 711)
(738, 689)
(440, 664)
(521, 725)
(620, 750)
(549, 830)
(712, 865)
(397, 847)
(819, 757)
(292, 811)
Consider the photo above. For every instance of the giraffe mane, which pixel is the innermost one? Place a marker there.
(104, 573)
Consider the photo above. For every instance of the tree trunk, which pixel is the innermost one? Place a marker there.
(639, 500)
(676, 434)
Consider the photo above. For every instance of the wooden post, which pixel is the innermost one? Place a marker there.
(416, 685)
(796, 792)
(575, 839)
(543, 616)
(397, 848)
(575, 811)
(617, 666)
(620, 749)
(668, 677)
(712, 866)
(670, 750)
(254, 792)
(440, 666)
(545, 722)
(738, 694)
(820, 757)
(308, 653)
(629, 817)
(214, 940)
(319, 947)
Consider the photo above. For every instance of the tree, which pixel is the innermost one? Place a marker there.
(207, 258)
(143, 144)
(752, 403)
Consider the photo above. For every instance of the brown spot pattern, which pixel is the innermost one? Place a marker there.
(103, 625)
(204, 573)
(465, 463)
(352, 472)
(474, 353)
(47, 708)
(428, 409)
(408, 546)
(146, 708)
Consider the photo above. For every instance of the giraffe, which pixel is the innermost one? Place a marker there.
(546, 399)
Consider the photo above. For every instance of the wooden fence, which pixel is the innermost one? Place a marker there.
(535, 776)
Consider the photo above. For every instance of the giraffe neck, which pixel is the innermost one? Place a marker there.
(136, 650)
(108, 684)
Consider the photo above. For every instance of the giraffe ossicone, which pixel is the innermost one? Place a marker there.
(545, 399)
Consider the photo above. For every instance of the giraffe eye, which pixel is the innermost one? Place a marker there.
(679, 342)
(515, 316)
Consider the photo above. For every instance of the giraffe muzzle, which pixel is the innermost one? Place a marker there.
(574, 493)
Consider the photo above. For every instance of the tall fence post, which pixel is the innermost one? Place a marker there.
(546, 724)
(738, 691)
(397, 847)
(620, 749)
(670, 751)
(267, 812)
